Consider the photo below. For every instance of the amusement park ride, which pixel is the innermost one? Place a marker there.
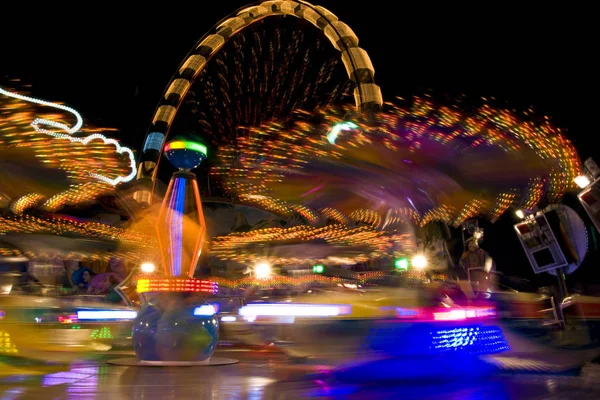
(177, 319)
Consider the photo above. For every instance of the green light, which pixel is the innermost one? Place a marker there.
(318, 269)
(101, 333)
(401, 263)
(182, 144)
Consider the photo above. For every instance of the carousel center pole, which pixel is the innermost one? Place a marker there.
(177, 326)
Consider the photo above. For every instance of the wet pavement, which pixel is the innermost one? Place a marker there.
(264, 375)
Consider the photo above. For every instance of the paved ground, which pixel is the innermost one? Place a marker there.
(264, 375)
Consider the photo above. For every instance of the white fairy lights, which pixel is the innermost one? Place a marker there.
(38, 122)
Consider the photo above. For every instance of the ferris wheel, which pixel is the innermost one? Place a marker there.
(228, 37)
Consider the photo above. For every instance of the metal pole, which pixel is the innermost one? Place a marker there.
(562, 283)
(562, 286)
(208, 179)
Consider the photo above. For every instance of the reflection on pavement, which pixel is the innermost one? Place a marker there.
(262, 375)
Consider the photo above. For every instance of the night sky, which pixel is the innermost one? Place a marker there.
(112, 64)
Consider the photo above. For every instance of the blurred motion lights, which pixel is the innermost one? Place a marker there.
(294, 310)
(70, 130)
(176, 285)
(106, 315)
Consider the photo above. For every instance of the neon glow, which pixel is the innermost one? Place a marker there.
(176, 285)
(402, 263)
(205, 310)
(74, 129)
(318, 269)
(181, 211)
(106, 315)
(463, 314)
(473, 339)
(312, 190)
(62, 319)
(176, 226)
(412, 204)
(337, 128)
(180, 144)
(102, 333)
(445, 314)
(294, 310)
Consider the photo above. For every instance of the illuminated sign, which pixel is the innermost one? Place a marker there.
(176, 285)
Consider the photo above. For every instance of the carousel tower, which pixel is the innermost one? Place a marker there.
(176, 325)
(180, 226)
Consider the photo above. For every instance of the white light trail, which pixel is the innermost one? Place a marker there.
(106, 314)
(74, 129)
(294, 310)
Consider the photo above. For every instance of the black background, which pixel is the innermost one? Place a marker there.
(112, 61)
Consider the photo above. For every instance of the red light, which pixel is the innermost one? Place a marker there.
(446, 314)
(69, 319)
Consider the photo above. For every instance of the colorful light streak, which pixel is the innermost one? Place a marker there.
(25, 202)
(176, 226)
(61, 226)
(469, 339)
(338, 128)
(294, 310)
(205, 310)
(365, 242)
(72, 160)
(176, 285)
(38, 122)
(180, 226)
(106, 315)
(180, 144)
(274, 159)
(6, 344)
(361, 278)
(427, 314)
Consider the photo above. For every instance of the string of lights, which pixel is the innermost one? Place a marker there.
(77, 160)
(37, 124)
(278, 162)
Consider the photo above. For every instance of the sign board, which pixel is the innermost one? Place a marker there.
(592, 168)
(540, 244)
(590, 199)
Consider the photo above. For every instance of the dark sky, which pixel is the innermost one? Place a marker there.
(93, 59)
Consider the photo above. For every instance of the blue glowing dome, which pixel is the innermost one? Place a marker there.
(185, 154)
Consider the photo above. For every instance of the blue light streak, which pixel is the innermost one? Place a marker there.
(177, 224)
